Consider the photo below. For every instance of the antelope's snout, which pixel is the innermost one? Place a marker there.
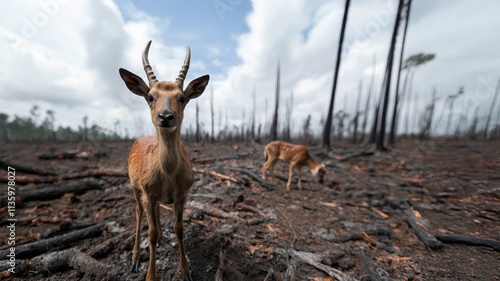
(166, 119)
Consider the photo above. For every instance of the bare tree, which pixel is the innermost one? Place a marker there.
(328, 123)
(197, 134)
(486, 127)
(356, 116)
(392, 135)
(411, 64)
(370, 90)
(274, 125)
(390, 58)
(212, 114)
(254, 108)
(452, 99)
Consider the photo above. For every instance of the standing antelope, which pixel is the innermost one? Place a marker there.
(159, 166)
(296, 155)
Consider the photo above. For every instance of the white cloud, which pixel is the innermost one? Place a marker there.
(65, 55)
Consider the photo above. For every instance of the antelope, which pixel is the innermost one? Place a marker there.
(296, 155)
(159, 166)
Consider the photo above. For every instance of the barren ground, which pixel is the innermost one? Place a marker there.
(454, 184)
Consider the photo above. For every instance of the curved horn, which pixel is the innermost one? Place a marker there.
(147, 67)
(184, 69)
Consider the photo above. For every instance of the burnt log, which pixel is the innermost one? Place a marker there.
(468, 240)
(255, 177)
(33, 249)
(55, 191)
(4, 164)
(421, 227)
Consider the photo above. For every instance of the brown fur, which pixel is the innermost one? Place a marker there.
(159, 166)
(296, 155)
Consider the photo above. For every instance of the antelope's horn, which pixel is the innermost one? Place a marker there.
(184, 69)
(147, 67)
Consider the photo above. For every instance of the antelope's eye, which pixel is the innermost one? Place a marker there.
(183, 99)
(150, 98)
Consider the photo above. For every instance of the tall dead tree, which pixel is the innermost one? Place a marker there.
(486, 127)
(328, 123)
(197, 134)
(392, 135)
(254, 108)
(212, 113)
(390, 59)
(356, 116)
(274, 125)
(370, 90)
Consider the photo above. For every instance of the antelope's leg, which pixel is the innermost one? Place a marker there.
(264, 169)
(179, 232)
(271, 171)
(136, 252)
(290, 176)
(299, 174)
(152, 212)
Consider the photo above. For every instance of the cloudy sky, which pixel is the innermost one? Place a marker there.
(64, 56)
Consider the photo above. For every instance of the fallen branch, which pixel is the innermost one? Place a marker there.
(25, 169)
(245, 207)
(347, 157)
(315, 260)
(379, 212)
(224, 177)
(103, 249)
(36, 248)
(377, 273)
(55, 191)
(87, 174)
(255, 177)
(468, 240)
(220, 269)
(421, 227)
(72, 258)
(210, 160)
(212, 211)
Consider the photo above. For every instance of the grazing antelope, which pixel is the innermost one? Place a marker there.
(296, 155)
(159, 166)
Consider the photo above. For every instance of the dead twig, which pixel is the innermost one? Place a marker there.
(224, 177)
(245, 207)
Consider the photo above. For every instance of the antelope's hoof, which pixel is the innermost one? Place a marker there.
(187, 278)
(135, 266)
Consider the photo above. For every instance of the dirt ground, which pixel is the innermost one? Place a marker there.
(355, 217)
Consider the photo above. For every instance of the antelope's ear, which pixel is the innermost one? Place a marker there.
(134, 83)
(196, 87)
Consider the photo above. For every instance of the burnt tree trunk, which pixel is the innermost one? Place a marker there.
(390, 58)
(328, 123)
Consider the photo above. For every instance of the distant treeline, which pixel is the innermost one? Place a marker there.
(36, 127)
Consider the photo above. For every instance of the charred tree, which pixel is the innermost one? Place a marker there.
(370, 90)
(212, 114)
(356, 116)
(390, 58)
(274, 125)
(392, 135)
(328, 123)
(486, 127)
